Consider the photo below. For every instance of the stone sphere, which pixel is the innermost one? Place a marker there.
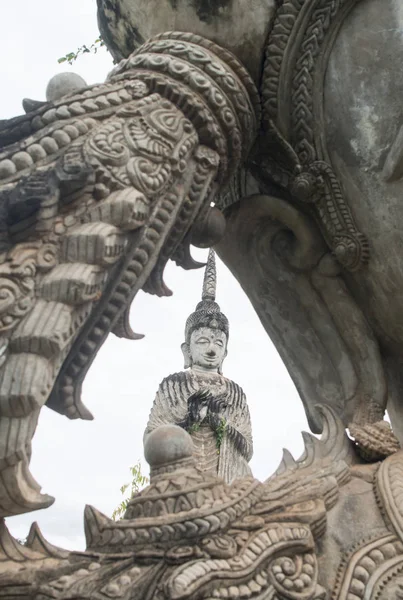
(167, 444)
(210, 231)
(64, 84)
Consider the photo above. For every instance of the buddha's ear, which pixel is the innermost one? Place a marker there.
(220, 367)
(186, 355)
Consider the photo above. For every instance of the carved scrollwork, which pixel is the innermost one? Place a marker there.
(295, 156)
(219, 546)
(389, 485)
(189, 535)
(47, 256)
(17, 281)
(370, 567)
(108, 145)
(172, 56)
(295, 577)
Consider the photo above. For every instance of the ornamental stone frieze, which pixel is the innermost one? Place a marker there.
(321, 527)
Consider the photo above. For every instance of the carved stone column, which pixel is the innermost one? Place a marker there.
(98, 191)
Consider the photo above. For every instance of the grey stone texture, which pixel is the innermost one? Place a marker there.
(327, 272)
(233, 24)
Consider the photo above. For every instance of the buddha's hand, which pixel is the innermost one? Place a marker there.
(198, 404)
(216, 410)
(217, 405)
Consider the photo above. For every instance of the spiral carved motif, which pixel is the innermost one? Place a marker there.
(17, 281)
(295, 577)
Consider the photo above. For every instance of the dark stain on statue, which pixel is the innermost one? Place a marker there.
(109, 15)
(206, 10)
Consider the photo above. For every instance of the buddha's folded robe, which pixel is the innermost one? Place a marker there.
(230, 456)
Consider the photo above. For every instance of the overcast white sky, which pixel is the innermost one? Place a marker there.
(87, 462)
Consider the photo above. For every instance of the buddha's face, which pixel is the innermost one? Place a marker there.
(207, 348)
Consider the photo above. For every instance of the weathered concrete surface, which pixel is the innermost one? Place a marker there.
(322, 526)
(234, 24)
(363, 112)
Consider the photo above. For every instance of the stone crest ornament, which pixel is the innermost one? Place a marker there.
(207, 313)
(212, 408)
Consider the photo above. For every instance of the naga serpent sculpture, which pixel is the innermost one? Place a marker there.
(100, 188)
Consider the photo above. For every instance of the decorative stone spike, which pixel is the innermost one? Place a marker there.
(210, 278)
(288, 462)
(10, 549)
(39, 544)
(334, 439)
(312, 448)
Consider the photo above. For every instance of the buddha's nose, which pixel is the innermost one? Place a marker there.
(211, 352)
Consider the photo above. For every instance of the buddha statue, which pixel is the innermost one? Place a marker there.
(212, 408)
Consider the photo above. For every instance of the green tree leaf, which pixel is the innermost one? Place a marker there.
(137, 483)
(71, 57)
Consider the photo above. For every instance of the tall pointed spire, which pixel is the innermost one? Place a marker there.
(207, 313)
(210, 278)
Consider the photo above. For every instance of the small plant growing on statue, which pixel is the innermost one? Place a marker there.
(71, 57)
(193, 428)
(220, 432)
(129, 489)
